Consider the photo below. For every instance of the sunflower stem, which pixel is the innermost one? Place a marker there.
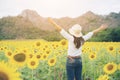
(32, 75)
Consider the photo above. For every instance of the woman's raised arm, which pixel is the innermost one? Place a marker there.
(58, 28)
(102, 27)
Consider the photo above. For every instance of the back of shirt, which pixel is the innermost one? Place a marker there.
(72, 50)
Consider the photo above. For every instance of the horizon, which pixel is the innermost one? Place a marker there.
(58, 17)
(59, 8)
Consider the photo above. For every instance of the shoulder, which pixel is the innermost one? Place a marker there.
(66, 35)
(88, 35)
(62, 31)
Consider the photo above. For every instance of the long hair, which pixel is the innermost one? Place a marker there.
(78, 41)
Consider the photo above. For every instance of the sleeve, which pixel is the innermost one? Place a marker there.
(65, 34)
(88, 36)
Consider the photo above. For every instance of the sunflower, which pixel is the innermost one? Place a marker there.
(30, 55)
(33, 63)
(8, 73)
(5, 47)
(38, 44)
(47, 51)
(38, 56)
(19, 59)
(64, 43)
(52, 61)
(110, 68)
(1, 49)
(8, 53)
(103, 77)
(111, 49)
(44, 56)
(92, 56)
(55, 45)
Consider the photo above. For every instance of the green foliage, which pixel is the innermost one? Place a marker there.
(111, 34)
(53, 36)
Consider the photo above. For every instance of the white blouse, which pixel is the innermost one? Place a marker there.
(72, 50)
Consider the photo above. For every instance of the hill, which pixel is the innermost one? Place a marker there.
(30, 25)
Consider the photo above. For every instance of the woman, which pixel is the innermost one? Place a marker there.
(75, 42)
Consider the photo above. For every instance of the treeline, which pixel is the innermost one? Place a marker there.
(108, 35)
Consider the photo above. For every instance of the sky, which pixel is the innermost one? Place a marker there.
(59, 8)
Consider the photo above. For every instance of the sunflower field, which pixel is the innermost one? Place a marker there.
(44, 60)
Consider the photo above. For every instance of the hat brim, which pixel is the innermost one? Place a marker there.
(73, 33)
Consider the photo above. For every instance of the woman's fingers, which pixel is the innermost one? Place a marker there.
(103, 26)
(50, 20)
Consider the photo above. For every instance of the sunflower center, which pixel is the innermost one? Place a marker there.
(38, 56)
(110, 48)
(9, 53)
(56, 45)
(44, 56)
(110, 67)
(44, 49)
(25, 51)
(1, 48)
(52, 61)
(31, 55)
(46, 46)
(38, 44)
(32, 63)
(5, 47)
(119, 51)
(3, 76)
(63, 43)
(53, 45)
(92, 56)
(47, 52)
(20, 57)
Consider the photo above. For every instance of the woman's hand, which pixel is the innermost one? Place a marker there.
(103, 26)
(54, 24)
(50, 20)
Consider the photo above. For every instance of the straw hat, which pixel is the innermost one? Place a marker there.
(76, 30)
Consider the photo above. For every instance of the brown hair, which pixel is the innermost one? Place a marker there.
(78, 41)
